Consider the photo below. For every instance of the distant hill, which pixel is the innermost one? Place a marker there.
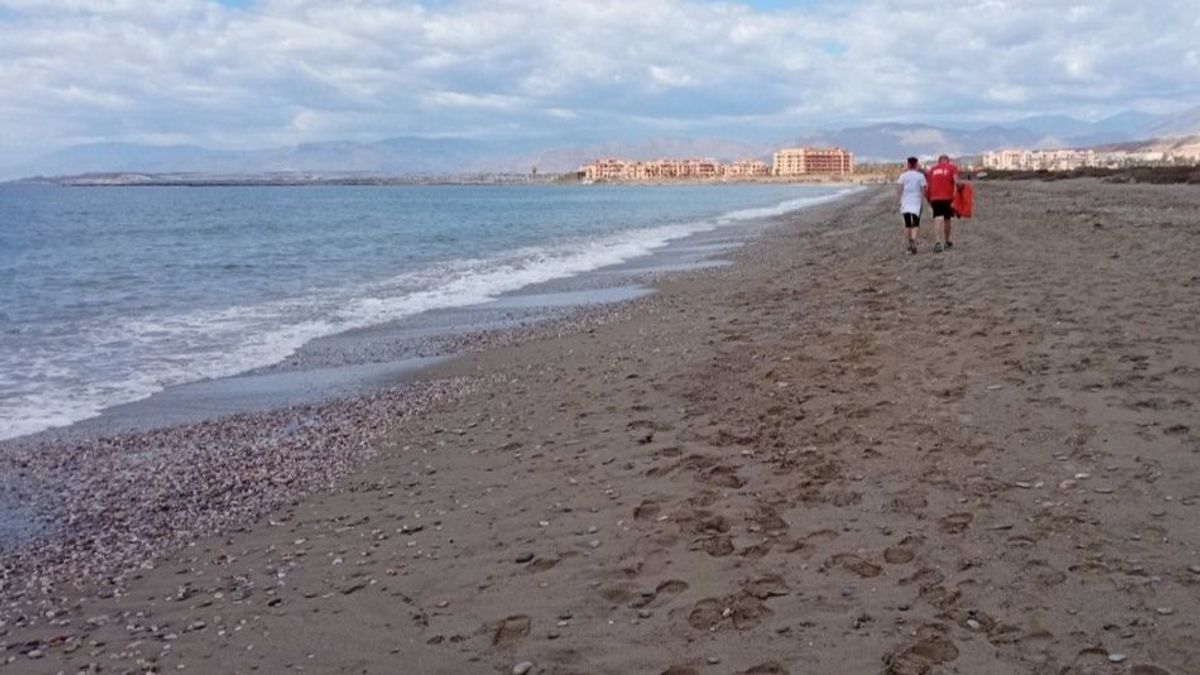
(893, 142)
(403, 156)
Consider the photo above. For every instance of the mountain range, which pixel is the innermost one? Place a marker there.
(413, 155)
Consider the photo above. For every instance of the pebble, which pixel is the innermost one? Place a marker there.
(713, 660)
(565, 614)
(524, 557)
(595, 543)
(1165, 611)
(1194, 569)
(522, 668)
(1117, 658)
(646, 614)
(973, 624)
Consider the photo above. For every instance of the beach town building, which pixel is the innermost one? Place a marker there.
(747, 168)
(807, 161)
(787, 162)
(1067, 160)
(658, 169)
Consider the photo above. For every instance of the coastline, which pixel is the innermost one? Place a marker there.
(323, 407)
(828, 456)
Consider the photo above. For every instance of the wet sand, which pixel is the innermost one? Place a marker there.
(830, 457)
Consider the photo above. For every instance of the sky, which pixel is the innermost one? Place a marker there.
(262, 73)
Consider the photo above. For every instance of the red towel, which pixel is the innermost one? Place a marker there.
(964, 200)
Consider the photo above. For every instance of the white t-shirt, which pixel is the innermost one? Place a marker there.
(912, 191)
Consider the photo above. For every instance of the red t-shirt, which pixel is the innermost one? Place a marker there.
(941, 182)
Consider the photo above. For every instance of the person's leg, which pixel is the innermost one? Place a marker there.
(939, 230)
(949, 226)
(912, 223)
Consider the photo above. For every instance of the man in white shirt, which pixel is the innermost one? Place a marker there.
(910, 196)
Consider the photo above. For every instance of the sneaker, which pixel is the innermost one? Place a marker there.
(949, 245)
(937, 248)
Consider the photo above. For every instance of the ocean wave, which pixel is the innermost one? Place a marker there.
(112, 363)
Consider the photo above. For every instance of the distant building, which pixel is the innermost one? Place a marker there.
(1067, 160)
(808, 161)
(747, 168)
(658, 169)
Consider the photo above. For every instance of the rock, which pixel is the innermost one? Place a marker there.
(595, 543)
(714, 660)
(973, 624)
(524, 557)
(1194, 569)
(644, 614)
(1117, 658)
(522, 668)
(1165, 611)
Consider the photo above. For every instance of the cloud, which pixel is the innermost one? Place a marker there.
(285, 71)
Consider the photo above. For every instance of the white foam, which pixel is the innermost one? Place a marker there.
(109, 364)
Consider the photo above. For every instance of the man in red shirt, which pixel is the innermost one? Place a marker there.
(943, 181)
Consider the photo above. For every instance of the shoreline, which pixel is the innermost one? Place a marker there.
(411, 339)
(81, 459)
(827, 457)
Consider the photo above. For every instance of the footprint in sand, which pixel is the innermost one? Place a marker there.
(909, 503)
(769, 668)
(956, 523)
(931, 648)
(766, 587)
(904, 551)
(723, 476)
(857, 565)
(647, 510)
(663, 594)
(741, 611)
(511, 631)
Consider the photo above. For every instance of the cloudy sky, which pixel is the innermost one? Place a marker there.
(258, 73)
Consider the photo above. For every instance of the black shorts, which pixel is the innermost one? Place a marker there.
(942, 208)
(912, 220)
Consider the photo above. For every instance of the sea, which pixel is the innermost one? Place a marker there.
(110, 295)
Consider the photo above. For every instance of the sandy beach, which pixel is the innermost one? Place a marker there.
(828, 457)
